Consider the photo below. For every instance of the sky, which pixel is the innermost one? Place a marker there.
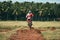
(44, 1)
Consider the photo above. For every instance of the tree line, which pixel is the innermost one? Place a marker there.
(17, 11)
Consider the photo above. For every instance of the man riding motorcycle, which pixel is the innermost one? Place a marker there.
(29, 18)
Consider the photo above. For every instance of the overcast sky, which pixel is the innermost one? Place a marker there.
(44, 1)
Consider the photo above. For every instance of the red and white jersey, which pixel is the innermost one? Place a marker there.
(29, 15)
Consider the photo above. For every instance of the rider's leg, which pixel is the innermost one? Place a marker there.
(29, 23)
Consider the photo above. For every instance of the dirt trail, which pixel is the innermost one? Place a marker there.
(32, 34)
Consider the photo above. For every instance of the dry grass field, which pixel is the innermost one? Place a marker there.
(35, 23)
(12, 26)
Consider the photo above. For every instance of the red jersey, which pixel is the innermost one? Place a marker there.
(29, 15)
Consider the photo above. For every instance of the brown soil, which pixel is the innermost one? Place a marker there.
(32, 34)
(52, 28)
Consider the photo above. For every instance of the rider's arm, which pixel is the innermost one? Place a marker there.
(32, 14)
(26, 16)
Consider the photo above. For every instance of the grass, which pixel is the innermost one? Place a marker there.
(51, 35)
(15, 25)
(9, 27)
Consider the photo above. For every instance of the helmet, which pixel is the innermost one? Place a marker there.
(29, 11)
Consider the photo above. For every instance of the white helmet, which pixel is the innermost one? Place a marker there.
(29, 11)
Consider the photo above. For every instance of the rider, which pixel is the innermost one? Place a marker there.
(29, 18)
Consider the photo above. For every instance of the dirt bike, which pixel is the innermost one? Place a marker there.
(30, 23)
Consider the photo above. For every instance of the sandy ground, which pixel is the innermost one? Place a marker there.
(35, 23)
(48, 35)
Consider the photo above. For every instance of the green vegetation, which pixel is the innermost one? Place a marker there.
(17, 11)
